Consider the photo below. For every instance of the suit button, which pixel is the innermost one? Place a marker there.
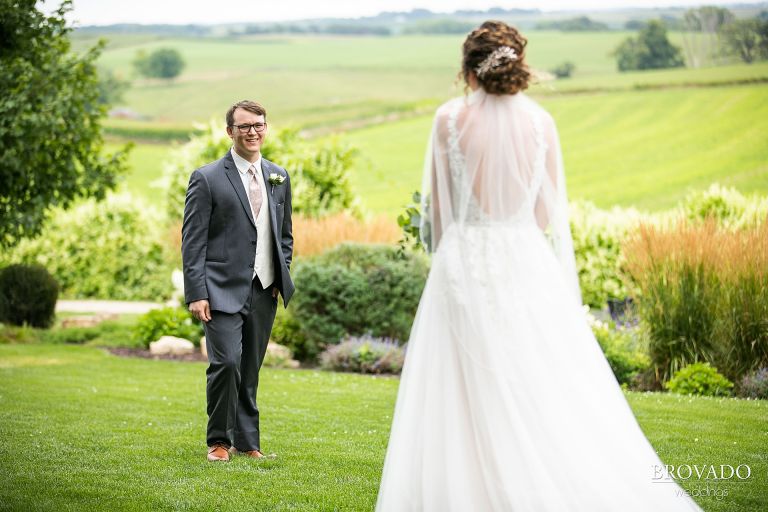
(253, 242)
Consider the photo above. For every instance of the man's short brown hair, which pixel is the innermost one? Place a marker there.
(250, 106)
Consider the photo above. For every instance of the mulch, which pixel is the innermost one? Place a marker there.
(146, 354)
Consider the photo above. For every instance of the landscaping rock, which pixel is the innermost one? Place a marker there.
(203, 347)
(171, 345)
(279, 356)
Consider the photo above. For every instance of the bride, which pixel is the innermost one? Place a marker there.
(506, 401)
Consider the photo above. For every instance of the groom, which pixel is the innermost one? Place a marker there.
(236, 249)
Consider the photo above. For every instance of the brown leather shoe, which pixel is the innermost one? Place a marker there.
(218, 452)
(254, 454)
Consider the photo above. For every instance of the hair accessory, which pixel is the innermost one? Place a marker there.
(494, 59)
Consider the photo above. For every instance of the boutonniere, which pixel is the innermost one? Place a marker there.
(275, 179)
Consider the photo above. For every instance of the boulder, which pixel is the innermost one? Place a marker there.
(279, 356)
(171, 345)
(203, 347)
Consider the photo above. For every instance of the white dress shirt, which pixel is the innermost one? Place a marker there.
(263, 265)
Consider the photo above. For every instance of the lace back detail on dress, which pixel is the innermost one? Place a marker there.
(470, 209)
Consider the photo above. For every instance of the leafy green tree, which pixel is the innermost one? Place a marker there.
(634, 24)
(746, 38)
(707, 18)
(651, 49)
(763, 32)
(700, 27)
(578, 24)
(51, 147)
(164, 63)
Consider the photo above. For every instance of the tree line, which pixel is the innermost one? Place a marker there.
(710, 33)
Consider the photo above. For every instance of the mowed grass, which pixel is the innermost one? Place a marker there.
(87, 430)
(97, 432)
(630, 148)
(648, 149)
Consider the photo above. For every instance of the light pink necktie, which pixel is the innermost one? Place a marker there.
(254, 193)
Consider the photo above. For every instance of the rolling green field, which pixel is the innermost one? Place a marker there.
(631, 148)
(86, 430)
(314, 81)
(632, 139)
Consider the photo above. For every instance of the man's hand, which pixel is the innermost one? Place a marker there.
(201, 310)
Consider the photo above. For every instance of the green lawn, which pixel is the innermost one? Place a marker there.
(87, 430)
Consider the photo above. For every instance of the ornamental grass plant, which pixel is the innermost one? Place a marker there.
(703, 294)
(315, 235)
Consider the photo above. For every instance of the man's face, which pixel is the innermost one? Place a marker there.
(247, 144)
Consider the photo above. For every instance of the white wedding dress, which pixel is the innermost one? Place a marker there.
(506, 402)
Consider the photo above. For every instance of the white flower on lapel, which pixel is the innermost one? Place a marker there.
(276, 179)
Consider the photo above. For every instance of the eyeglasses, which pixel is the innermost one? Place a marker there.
(245, 128)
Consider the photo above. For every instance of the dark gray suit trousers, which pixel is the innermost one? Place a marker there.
(237, 343)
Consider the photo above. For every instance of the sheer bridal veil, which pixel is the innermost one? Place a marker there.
(495, 160)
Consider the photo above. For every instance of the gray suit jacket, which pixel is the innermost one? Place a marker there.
(218, 237)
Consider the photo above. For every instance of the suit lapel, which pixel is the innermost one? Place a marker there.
(234, 178)
(265, 173)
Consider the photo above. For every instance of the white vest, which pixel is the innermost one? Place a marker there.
(263, 265)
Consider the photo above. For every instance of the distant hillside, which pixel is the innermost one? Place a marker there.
(423, 21)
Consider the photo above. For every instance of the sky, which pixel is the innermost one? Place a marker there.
(105, 12)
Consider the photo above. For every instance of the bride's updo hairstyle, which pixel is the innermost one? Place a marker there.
(487, 53)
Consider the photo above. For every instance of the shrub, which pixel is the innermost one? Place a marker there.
(755, 384)
(357, 289)
(564, 69)
(286, 331)
(597, 238)
(28, 295)
(364, 355)
(167, 322)
(12, 334)
(319, 169)
(626, 358)
(107, 250)
(108, 334)
(703, 295)
(726, 206)
(699, 379)
(72, 335)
